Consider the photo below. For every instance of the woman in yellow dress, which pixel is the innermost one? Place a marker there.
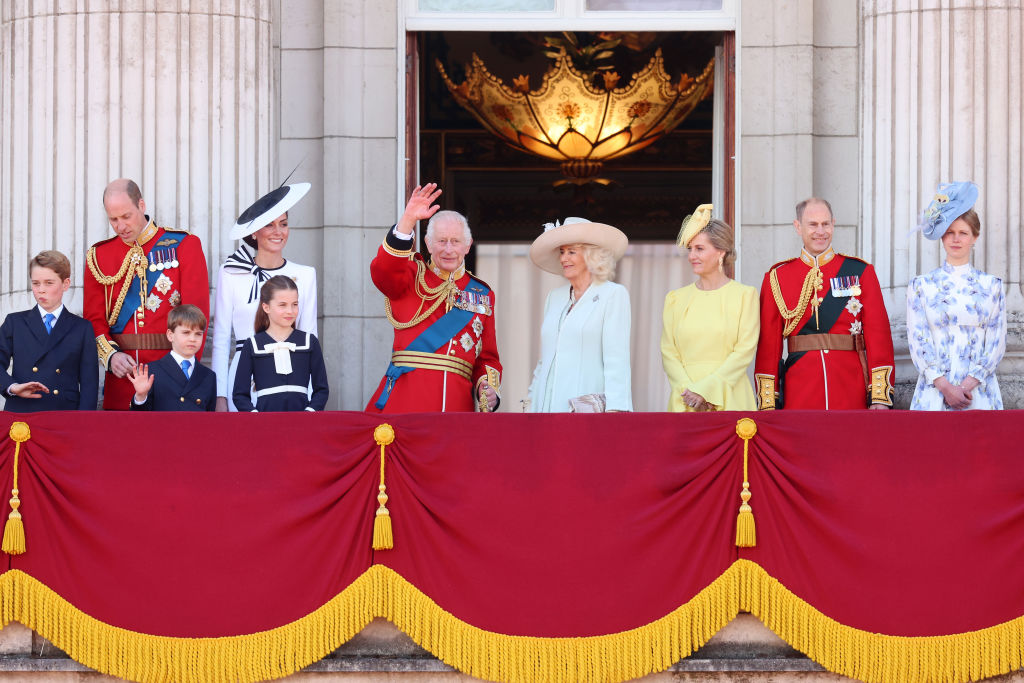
(710, 327)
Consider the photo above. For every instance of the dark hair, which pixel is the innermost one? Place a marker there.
(54, 260)
(188, 315)
(971, 218)
(278, 283)
(251, 240)
(129, 187)
(812, 200)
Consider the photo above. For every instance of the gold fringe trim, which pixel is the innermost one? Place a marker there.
(378, 592)
(875, 657)
(382, 592)
(614, 657)
(147, 658)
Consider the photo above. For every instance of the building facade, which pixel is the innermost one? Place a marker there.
(210, 103)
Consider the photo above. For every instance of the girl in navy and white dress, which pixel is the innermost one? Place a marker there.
(279, 363)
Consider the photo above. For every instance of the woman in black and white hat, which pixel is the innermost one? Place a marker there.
(263, 229)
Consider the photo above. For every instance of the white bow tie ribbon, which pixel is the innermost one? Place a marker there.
(282, 356)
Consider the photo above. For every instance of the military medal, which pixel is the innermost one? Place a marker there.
(152, 263)
(847, 285)
(163, 284)
(174, 257)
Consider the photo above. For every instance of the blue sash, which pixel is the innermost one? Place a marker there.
(432, 338)
(132, 299)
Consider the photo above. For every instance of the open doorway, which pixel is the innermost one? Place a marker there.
(508, 195)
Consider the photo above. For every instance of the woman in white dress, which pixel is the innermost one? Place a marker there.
(584, 361)
(956, 314)
(263, 229)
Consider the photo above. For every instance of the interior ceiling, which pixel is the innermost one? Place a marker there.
(507, 195)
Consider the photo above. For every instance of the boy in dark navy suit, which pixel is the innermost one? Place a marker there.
(177, 381)
(54, 351)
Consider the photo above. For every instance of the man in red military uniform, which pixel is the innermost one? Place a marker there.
(829, 310)
(445, 355)
(132, 281)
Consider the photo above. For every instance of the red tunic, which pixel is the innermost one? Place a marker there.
(829, 379)
(188, 283)
(394, 272)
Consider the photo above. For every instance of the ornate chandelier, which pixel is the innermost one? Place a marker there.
(568, 119)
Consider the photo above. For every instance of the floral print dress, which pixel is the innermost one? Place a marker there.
(956, 326)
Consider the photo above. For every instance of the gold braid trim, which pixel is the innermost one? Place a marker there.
(425, 292)
(867, 656)
(812, 282)
(146, 658)
(135, 257)
(650, 648)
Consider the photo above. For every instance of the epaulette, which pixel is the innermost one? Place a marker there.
(184, 230)
(109, 239)
(478, 279)
(853, 258)
(782, 263)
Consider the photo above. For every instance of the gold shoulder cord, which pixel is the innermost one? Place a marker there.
(426, 293)
(135, 257)
(792, 317)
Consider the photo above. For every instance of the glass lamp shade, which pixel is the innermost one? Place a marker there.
(569, 120)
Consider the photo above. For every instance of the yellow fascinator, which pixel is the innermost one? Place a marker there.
(693, 224)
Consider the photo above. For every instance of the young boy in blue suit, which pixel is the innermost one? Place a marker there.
(54, 350)
(177, 381)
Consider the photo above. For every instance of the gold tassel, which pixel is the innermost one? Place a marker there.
(746, 531)
(14, 530)
(383, 539)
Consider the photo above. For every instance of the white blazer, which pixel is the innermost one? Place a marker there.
(588, 354)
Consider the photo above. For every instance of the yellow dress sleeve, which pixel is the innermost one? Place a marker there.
(671, 358)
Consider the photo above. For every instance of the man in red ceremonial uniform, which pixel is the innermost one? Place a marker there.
(445, 355)
(132, 281)
(828, 308)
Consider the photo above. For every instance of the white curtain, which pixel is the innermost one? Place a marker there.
(648, 271)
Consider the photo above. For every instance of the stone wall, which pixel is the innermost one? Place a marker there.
(339, 117)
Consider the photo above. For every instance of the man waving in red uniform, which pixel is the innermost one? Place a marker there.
(445, 355)
(828, 308)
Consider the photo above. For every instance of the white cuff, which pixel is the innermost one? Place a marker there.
(400, 235)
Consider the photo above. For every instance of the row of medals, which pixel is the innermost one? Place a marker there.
(163, 258)
(470, 301)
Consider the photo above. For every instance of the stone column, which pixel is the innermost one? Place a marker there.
(175, 94)
(941, 102)
(798, 113)
(361, 142)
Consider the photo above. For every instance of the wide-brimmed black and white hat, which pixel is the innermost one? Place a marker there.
(267, 208)
(544, 250)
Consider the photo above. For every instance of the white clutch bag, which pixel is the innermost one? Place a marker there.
(588, 403)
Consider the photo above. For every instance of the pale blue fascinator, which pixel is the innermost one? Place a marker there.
(951, 201)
